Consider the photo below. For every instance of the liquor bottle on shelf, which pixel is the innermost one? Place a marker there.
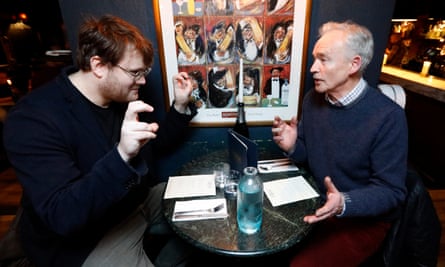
(285, 93)
(241, 124)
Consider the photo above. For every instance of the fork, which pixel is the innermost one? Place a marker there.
(268, 167)
(210, 210)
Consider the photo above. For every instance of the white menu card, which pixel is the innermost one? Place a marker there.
(284, 191)
(190, 186)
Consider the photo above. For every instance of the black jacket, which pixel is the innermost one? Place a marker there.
(414, 239)
(76, 185)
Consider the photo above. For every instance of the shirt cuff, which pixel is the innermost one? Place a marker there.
(344, 205)
(343, 210)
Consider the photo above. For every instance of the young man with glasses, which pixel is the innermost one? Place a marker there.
(82, 153)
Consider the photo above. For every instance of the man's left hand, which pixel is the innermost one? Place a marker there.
(182, 90)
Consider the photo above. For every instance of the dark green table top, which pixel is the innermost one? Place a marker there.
(282, 226)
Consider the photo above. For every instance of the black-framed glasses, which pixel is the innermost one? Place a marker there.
(136, 74)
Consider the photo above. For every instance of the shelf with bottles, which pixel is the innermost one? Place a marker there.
(415, 41)
(436, 30)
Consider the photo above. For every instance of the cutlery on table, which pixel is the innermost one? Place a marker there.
(200, 211)
(271, 161)
(268, 167)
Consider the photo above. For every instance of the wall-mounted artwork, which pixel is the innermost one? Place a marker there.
(209, 38)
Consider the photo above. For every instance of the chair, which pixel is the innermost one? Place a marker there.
(12, 253)
(395, 92)
(414, 239)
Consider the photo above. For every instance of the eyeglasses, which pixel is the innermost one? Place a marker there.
(136, 74)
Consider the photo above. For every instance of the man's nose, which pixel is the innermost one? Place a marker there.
(314, 67)
(142, 80)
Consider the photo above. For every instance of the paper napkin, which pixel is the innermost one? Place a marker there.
(200, 209)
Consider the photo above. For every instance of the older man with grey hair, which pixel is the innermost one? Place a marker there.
(354, 141)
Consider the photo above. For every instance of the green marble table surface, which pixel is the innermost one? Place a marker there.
(282, 227)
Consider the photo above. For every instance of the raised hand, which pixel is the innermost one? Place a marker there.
(135, 134)
(284, 134)
(182, 91)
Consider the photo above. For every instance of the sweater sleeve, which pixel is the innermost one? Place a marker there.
(65, 196)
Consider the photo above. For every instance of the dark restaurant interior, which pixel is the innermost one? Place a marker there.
(39, 39)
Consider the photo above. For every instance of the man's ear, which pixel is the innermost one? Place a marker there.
(97, 67)
(356, 63)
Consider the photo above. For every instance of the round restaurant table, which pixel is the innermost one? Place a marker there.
(282, 227)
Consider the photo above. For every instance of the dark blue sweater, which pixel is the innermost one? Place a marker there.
(362, 146)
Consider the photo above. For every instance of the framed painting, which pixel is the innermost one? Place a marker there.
(213, 40)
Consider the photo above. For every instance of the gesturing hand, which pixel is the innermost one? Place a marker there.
(333, 206)
(284, 134)
(182, 90)
(135, 134)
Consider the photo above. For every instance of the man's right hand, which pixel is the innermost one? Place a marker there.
(135, 134)
(284, 134)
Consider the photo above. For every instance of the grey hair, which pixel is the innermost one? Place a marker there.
(359, 39)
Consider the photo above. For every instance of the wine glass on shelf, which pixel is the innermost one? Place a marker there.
(180, 3)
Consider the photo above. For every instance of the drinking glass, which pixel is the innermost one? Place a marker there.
(221, 171)
(231, 184)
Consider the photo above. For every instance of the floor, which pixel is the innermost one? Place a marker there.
(10, 192)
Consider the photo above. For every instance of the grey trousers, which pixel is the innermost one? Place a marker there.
(123, 245)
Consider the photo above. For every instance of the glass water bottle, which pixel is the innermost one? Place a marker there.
(250, 201)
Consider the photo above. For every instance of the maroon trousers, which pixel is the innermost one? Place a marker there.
(341, 242)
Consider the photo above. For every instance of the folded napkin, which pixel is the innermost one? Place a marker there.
(200, 209)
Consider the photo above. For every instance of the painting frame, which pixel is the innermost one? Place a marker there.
(176, 24)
